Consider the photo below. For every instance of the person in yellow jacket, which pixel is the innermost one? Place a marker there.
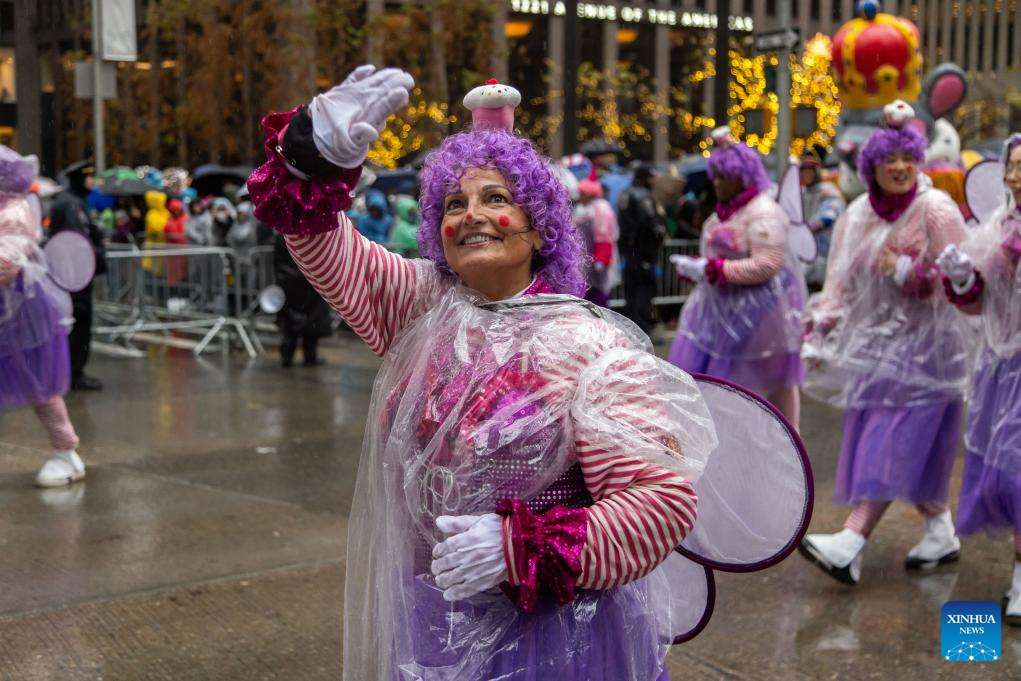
(155, 227)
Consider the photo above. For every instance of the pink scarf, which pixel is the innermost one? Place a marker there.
(891, 206)
(726, 209)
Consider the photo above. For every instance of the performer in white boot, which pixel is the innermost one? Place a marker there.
(883, 342)
(984, 277)
(35, 367)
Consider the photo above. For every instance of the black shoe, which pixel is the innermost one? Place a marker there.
(86, 382)
(314, 362)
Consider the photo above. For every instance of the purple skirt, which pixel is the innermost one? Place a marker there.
(581, 641)
(764, 376)
(34, 360)
(991, 488)
(990, 498)
(744, 334)
(902, 453)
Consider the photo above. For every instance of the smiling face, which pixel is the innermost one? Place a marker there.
(488, 240)
(898, 173)
(1012, 174)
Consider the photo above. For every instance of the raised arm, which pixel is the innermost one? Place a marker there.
(372, 288)
(314, 158)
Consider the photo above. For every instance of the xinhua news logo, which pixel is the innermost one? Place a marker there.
(970, 631)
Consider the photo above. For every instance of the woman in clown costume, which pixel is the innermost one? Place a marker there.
(743, 320)
(35, 369)
(983, 277)
(528, 465)
(884, 343)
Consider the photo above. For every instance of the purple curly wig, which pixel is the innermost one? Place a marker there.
(16, 172)
(741, 162)
(534, 187)
(1009, 145)
(882, 144)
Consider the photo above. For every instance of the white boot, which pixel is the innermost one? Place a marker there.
(62, 468)
(1012, 615)
(939, 544)
(839, 555)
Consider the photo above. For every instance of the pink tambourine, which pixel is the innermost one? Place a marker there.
(70, 260)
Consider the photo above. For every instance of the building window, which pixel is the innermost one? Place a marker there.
(8, 91)
(814, 10)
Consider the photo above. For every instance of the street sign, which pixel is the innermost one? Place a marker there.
(780, 39)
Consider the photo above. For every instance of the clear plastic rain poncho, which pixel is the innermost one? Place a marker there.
(24, 326)
(477, 402)
(748, 322)
(873, 342)
(995, 248)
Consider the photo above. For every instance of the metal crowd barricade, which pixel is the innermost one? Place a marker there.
(670, 289)
(255, 273)
(209, 291)
(165, 289)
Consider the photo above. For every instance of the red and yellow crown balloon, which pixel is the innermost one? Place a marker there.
(877, 59)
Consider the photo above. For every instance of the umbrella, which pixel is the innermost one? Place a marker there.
(124, 187)
(598, 148)
(210, 178)
(216, 170)
(119, 173)
(400, 181)
(695, 169)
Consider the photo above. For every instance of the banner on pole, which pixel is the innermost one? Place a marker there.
(120, 42)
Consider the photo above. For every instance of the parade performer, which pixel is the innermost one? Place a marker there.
(35, 367)
(883, 342)
(984, 277)
(518, 436)
(743, 320)
(597, 223)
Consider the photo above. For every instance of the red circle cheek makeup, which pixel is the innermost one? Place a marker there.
(504, 221)
(448, 231)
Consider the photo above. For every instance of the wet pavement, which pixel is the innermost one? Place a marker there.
(208, 542)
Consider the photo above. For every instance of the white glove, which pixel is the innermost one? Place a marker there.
(690, 268)
(471, 561)
(903, 269)
(958, 267)
(349, 117)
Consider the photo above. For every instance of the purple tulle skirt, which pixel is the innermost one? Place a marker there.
(902, 453)
(34, 360)
(990, 498)
(991, 489)
(744, 334)
(577, 642)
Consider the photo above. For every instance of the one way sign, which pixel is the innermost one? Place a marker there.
(780, 39)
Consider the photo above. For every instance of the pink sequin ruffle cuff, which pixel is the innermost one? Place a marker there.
(289, 204)
(546, 552)
(969, 296)
(714, 272)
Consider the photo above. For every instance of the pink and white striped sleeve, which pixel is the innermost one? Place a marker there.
(642, 512)
(373, 289)
(642, 509)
